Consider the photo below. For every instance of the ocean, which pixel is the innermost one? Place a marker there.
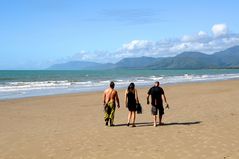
(20, 84)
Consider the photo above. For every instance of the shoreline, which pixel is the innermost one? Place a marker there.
(118, 89)
(30, 83)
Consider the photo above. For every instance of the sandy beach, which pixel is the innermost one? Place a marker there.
(202, 122)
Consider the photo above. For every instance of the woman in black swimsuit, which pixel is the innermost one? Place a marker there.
(131, 98)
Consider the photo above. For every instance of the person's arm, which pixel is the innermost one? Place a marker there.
(136, 96)
(165, 100)
(148, 99)
(126, 99)
(117, 99)
(149, 92)
(104, 98)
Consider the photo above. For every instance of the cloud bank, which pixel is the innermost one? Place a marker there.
(219, 39)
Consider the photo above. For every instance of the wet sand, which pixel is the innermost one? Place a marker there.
(202, 122)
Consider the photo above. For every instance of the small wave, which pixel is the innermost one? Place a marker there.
(66, 86)
(107, 81)
(16, 86)
(155, 78)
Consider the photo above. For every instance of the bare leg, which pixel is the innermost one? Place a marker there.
(134, 116)
(129, 117)
(155, 120)
(160, 119)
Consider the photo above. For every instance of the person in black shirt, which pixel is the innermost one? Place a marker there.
(157, 96)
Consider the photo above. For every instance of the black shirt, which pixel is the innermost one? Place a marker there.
(156, 95)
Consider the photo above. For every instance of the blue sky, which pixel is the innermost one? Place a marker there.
(37, 33)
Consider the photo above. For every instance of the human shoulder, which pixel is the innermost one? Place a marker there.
(106, 90)
(114, 91)
(161, 89)
(150, 90)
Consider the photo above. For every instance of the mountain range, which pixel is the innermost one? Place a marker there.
(228, 58)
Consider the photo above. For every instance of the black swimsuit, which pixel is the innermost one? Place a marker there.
(131, 101)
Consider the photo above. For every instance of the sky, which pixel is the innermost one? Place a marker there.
(35, 34)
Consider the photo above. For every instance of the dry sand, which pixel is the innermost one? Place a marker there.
(203, 122)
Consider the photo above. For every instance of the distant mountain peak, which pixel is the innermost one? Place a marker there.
(228, 58)
(80, 65)
(192, 54)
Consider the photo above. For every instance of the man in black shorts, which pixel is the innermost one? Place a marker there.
(157, 96)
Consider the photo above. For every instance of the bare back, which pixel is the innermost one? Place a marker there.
(110, 95)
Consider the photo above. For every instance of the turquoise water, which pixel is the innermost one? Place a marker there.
(18, 84)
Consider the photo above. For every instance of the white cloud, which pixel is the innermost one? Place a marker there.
(96, 56)
(202, 41)
(202, 34)
(137, 44)
(219, 30)
(187, 38)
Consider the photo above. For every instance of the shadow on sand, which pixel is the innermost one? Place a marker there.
(143, 124)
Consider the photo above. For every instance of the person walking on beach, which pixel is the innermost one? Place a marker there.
(109, 98)
(131, 98)
(157, 96)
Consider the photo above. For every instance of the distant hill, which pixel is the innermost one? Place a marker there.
(186, 60)
(138, 62)
(228, 58)
(80, 65)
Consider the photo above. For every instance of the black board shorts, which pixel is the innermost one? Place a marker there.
(156, 109)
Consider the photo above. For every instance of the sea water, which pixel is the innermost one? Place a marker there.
(19, 84)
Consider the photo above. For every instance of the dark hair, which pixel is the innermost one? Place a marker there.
(112, 84)
(157, 83)
(131, 86)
